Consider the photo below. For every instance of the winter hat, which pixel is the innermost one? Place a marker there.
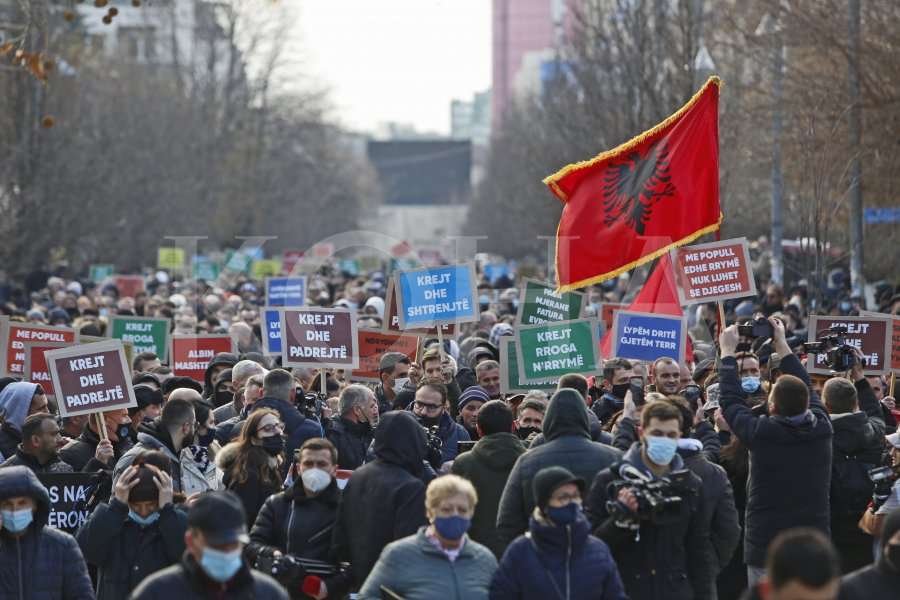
(475, 392)
(146, 395)
(498, 331)
(547, 480)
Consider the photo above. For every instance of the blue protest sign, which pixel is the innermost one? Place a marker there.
(271, 331)
(437, 296)
(648, 336)
(285, 291)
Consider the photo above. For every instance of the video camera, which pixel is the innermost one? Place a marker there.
(884, 479)
(839, 355)
(659, 500)
(310, 403)
(433, 445)
(758, 328)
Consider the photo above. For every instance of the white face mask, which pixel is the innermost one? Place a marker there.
(315, 480)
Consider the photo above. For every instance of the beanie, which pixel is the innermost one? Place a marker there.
(547, 480)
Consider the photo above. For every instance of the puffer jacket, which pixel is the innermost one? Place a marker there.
(487, 466)
(384, 499)
(15, 400)
(126, 553)
(43, 563)
(152, 436)
(54, 465)
(568, 445)
(80, 452)
(552, 561)
(351, 440)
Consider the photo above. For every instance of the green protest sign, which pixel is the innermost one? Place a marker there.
(539, 303)
(203, 268)
(101, 272)
(555, 349)
(148, 334)
(509, 371)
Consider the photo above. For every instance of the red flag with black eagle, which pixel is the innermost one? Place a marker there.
(635, 202)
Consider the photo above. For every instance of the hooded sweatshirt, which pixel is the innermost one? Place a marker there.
(15, 400)
(222, 358)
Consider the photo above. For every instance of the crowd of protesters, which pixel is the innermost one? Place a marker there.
(734, 474)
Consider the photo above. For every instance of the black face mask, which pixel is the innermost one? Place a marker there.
(123, 431)
(893, 557)
(429, 421)
(207, 438)
(524, 432)
(619, 391)
(223, 397)
(274, 445)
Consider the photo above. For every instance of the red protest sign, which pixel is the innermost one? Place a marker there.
(714, 271)
(607, 311)
(895, 337)
(129, 285)
(319, 337)
(189, 355)
(290, 259)
(36, 369)
(19, 334)
(871, 334)
(391, 321)
(373, 344)
(91, 378)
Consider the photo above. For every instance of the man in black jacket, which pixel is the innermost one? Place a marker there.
(352, 431)
(213, 566)
(385, 499)
(40, 435)
(858, 443)
(393, 371)
(300, 520)
(568, 444)
(790, 450)
(660, 557)
(89, 453)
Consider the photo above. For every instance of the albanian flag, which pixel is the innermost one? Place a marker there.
(633, 203)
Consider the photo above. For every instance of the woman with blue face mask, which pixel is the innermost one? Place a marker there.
(441, 560)
(558, 558)
(138, 532)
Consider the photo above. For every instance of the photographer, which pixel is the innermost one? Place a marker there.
(886, 496)
(857, 446)
(661, 556)
(430, 407)
(790, 450)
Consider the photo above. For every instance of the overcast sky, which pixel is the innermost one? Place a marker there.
(397, 60)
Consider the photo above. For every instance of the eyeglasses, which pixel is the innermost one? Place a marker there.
(427, 407)
(567, 498)
(272, 428)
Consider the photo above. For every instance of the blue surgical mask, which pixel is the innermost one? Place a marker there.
(750, 384)
(143, 521)
(220, 566)
(564, 515)
(452, 528)
(15, 521)
(660, 449)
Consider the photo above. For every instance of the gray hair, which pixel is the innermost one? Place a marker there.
(354, 395)
(278, 384)
(243, 370)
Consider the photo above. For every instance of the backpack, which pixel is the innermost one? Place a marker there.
(851, 488)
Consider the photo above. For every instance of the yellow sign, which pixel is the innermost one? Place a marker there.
(170, 258)
(265, 268)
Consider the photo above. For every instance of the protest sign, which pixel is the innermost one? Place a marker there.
(539, 303)
(290, 259)
(607, 310)
(271, 326)
(714, 271)
(147, 334)
(36, 369)
(436, 295)
(91, 378)
(189, 355)
(391, 321)
(895, 337)
(237, 260)
(265, 268)
(509, 371)
(129, 286)
(100, 272)
(81, 338)
(554, 349)
(349, 267)
(870, 334)
(373, 344)
(648, 336)
(322, 250)
(319, 337)
(204, 268)
(18, 334)
(69, 496)
(285, 291)
(170, 258)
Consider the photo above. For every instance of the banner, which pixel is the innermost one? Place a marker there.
(870, 334)
(19, 334)
(204, 268)
(265, 268)
(81, 338)
(189, 355)
(147, 334)
(713, 272)
(36, 369)
(319, 337)
(434, 296)
(607, 310)
(509, 371)
(554, 349)
(271, 331)
(631, 204)
(99, 273)
(69, 496)
(373, 344)
(169, 258)
(285, 291)
(540, 303)
(648, 336)
(129, 286)
(391, 321)
(91, 378)
(290, 260)
(895, 337)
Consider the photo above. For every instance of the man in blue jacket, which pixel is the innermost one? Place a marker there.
(790, 450)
